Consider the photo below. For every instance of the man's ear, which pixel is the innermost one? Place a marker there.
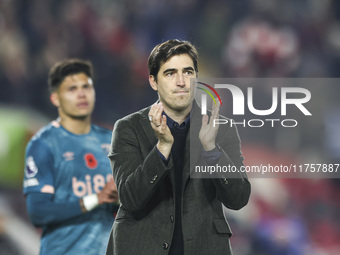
(55, 99)
(153, 82)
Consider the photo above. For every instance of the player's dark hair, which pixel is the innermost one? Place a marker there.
(67, 67)
(164, 51)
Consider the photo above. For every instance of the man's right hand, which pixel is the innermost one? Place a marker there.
(109, 193)
(162, 131)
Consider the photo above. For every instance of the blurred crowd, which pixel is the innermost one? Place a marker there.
(247, 38)
(235, 38)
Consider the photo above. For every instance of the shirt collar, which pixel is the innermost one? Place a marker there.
(173, 124)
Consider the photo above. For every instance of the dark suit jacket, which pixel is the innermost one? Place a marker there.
(145, 221)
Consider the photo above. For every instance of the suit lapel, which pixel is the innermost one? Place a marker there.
(193, 144)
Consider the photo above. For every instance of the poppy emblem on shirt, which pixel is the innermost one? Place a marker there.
(90, 161)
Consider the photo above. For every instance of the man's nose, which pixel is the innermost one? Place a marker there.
(180, 80)
(81, 93)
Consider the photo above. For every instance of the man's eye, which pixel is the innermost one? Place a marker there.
(189, 72)
(169, 74)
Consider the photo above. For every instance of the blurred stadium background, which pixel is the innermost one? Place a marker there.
(235, 38)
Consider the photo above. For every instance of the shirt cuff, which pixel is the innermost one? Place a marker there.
(165, 161)
(212, 157)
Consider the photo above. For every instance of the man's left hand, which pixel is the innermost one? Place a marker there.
(209, 129)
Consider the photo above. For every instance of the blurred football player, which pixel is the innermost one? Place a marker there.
(68, 183)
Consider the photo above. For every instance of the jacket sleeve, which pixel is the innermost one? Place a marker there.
(137, 171)
(233, 188)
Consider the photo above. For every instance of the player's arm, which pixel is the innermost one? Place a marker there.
(39, 187)
(39, 190)
(42, 210)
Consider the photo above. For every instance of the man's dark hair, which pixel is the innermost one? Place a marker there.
(65, 68)
(164, 51)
